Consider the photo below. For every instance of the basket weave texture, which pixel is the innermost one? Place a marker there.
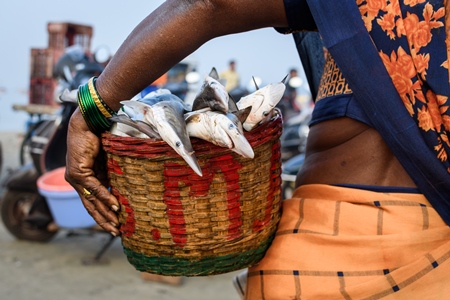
(176, 223)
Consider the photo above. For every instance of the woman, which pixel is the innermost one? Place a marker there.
(357, 227)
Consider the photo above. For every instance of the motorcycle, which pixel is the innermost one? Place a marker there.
(294, 136)
(293, 140)
(24, 211)
(293, 147)
(289, 171)
(238, 92)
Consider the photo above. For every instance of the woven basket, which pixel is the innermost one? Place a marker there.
(176, 223)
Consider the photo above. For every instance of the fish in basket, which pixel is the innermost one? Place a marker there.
(200, 190)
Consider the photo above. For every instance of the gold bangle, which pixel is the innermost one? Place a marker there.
(94, 96)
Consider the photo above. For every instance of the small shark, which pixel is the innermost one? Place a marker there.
(221, 129)
(168, 119)
(212, 94)
(160, 95)
(125, 126)
(150, 99)
(262, 102)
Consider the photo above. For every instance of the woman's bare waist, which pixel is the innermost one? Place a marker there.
(345, 151)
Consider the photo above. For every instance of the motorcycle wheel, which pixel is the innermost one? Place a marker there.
(15, 208)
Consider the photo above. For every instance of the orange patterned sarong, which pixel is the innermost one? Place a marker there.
(347, 243)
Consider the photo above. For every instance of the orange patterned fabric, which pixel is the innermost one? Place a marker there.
(347, 243)
(350, 243)
(412, 40)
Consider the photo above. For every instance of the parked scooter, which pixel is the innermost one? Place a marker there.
(289, 171)
(238, 92)
(293, 146)
(293, 141)
(24, 211)
(295, 133)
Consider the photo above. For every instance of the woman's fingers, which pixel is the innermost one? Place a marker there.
(90, 186)
(83, 171)
(100, 204)
(98, 201)
(104, 217)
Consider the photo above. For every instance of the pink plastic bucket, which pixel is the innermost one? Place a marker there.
(63, 201)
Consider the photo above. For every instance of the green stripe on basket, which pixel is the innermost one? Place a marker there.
(176, 266)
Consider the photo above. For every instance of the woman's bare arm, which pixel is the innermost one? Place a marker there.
(173, 31)
(169, 34)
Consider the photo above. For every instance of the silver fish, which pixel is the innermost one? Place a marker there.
(150, 99)
(212, 94)
(262, 102)
(157, 92)
(168, 118)
(132, 127)
(160, 95)
(224, 130)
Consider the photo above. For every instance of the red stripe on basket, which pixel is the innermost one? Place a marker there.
(113, 166)
(275, 182)
(128, 228)
(177, 176)
(174, 212)
(156, 235)
(231, 174)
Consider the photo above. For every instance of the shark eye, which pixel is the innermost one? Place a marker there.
(231, 126)
(178, 144)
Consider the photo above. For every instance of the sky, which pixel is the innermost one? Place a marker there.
(264, 53)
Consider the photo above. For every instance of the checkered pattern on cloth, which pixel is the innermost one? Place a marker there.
(346, 243)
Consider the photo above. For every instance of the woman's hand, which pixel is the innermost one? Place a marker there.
(86, 172)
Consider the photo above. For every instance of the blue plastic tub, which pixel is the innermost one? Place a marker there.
(63, 201)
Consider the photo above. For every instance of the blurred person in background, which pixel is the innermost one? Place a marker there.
(231, 75)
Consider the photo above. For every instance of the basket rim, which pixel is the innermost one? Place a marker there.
(131, 146)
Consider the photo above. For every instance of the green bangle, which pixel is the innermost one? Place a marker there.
(92, 109)
(109, 109)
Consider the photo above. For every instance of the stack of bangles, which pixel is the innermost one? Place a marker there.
(93, 109)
